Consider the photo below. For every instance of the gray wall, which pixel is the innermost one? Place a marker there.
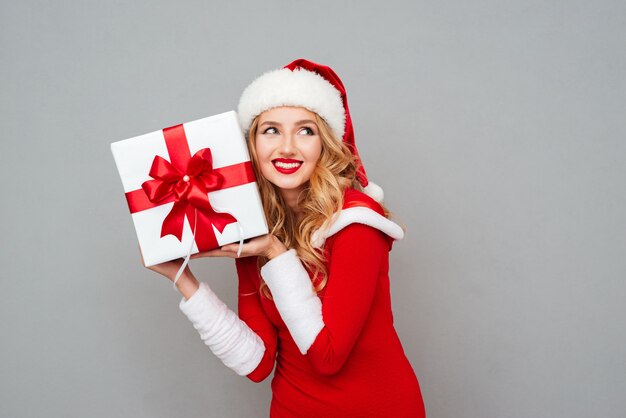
(496, 128)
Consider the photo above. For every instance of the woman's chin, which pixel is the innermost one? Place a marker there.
(289, 188)
(287, 182)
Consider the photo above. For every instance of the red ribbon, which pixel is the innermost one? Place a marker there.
(187, 181)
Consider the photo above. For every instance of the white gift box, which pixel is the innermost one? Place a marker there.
(222, 135)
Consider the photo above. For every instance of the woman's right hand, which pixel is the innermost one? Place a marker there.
(186, 284)
(168, 268)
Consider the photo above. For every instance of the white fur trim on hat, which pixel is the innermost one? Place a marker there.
(300, 87)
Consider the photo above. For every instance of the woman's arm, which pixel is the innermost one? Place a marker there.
(228, 337)
(327, 332)
(187, 284)
(252, 313)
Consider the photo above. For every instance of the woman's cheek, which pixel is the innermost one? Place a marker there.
(266, 171)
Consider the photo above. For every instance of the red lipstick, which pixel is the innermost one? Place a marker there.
(286, 165)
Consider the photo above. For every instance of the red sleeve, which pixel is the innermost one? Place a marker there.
(252, 313)
(356, 256)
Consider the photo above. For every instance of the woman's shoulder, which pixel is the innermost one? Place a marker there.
(358, 208)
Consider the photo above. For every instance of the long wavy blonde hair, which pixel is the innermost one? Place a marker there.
(320, 199)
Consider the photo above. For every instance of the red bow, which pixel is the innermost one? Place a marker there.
(189, 191)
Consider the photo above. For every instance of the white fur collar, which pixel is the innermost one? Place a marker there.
(357, 214)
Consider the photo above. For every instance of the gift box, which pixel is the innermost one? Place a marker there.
(190, 188)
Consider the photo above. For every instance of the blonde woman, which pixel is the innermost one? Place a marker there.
(314, 301)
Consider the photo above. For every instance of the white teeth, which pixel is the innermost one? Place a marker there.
(286, 165)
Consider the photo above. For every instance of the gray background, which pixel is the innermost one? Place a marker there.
(495, 127)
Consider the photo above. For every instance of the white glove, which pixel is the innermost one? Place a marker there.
(228, 337)
(294, 297)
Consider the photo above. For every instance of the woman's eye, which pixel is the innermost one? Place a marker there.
(271, 131)
(307, 131)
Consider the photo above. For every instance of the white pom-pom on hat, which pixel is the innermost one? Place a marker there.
(374, 191)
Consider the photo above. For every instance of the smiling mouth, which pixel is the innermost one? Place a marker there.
(286, 166)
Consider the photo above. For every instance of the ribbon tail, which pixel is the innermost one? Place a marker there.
(228, 215)
(174, 221)
(221, 219)
(205, 238)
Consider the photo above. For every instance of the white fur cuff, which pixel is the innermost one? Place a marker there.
(295, 298)
(228, 337)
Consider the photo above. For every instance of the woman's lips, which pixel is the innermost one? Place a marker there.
(286, 165)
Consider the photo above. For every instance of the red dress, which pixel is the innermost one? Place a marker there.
(356, 366)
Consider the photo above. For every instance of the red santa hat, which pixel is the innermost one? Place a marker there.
(312, 86)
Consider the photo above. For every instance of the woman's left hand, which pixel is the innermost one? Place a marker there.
(266, 246)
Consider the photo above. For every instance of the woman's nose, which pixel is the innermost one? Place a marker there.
(287, 146)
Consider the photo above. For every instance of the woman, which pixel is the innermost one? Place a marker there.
(314, 293)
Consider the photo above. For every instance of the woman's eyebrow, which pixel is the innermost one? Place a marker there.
(304, 121)
(270, 122)
(300, 122)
